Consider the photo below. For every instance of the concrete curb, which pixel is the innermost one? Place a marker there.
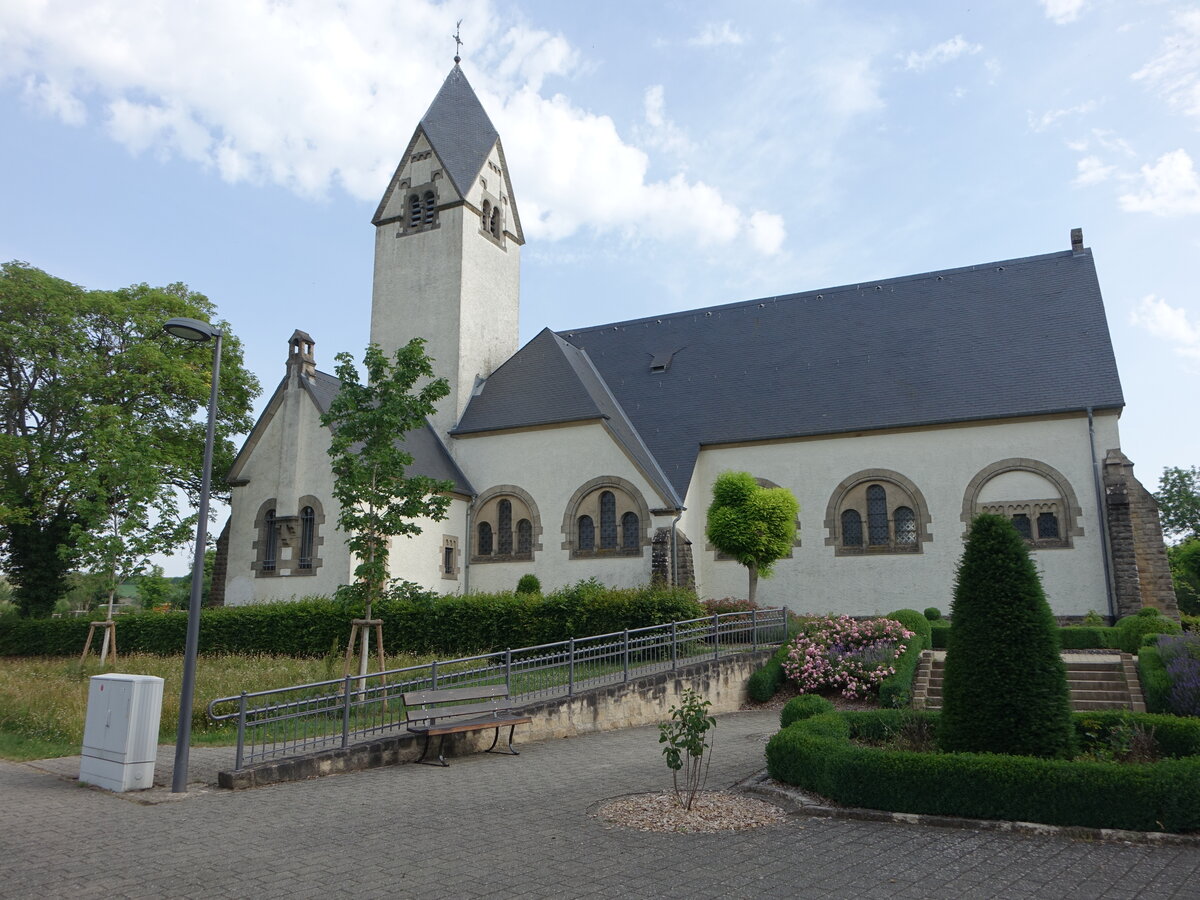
(799, 802)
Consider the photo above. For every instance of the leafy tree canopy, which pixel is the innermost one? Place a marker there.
(368, 423)
(753, 524)
(78, 368)
(1179, 501)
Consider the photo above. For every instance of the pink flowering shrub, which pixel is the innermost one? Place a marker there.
(849, 655)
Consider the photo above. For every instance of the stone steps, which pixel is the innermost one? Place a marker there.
(1096, 681)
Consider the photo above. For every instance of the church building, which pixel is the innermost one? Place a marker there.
(894, 410)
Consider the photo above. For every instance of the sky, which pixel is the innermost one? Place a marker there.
(664, 156)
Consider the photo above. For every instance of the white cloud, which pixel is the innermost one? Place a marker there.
(942, 53)
(1048, 118)
(715, 34)
(319, 96)
(848, 86)
(1170, 187)
(659, 132)
(1175, 72)
(1063, 11)
(1169, 323)
(1092, 171)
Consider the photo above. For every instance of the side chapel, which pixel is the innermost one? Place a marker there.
(895, 410)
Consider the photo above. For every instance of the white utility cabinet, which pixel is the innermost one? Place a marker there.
(120, 737)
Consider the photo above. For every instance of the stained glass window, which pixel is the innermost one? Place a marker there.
(1047, 526)
(877, 517)
(525, 538)
(608, 521)
(851, 528)
(587, 533)
(906, 525)
(504, 536)
(1021, 523)
(630, 528)
(485, 539)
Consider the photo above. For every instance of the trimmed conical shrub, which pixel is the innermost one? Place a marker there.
(1005, 687)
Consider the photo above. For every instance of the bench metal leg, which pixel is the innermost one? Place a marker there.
(441, 759)
(510, 751)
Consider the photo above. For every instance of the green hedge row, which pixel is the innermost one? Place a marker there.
(766, 681)
(896, 690)
(455, 624)
(1156, 683)
(1080, 637)
(817, 754)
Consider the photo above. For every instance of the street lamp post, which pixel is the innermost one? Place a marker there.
(195, 330)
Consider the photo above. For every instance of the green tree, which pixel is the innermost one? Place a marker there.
(154, 588)
(1185, 573)
(1179, 502)
(76, 363)
(753, 524)
(131, 511)
(1004, 687)
(368, 423)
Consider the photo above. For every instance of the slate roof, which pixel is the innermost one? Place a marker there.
(430, 456)
(563, 386)
(459, 130)
(1012, 338)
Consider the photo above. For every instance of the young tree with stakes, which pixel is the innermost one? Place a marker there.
(378, 500)
(133, 512)
(753, 524)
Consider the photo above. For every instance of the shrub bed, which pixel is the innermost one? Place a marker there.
(817, 754)
(415, 622)
(1156, 684)
(766, 681)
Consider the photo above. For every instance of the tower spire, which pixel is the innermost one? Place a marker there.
(457, 42)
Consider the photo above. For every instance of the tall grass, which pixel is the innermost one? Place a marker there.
(43, 700)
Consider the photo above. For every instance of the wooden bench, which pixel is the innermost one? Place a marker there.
(451, 711)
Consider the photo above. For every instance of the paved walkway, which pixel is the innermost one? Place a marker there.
(494, 826)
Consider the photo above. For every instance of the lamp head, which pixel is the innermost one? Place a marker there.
(191, 329)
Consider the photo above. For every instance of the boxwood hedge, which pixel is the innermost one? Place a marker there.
(896, 690)
(418, 622)
(817, 754)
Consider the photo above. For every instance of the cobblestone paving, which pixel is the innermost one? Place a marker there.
(520, 827)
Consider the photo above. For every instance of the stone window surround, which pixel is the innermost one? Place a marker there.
(490, 205)
(486, 510)
(289, 533)
(408, 190)
(725, 557)
(1066, 505)
(586, 502)
(846, 496)
(450, 542)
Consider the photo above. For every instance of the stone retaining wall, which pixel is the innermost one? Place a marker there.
(642, 701)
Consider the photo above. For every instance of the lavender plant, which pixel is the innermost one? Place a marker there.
(1181, 658)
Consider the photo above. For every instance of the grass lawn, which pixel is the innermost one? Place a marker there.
(43, 700)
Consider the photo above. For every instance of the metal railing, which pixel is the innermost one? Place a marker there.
(289, 721)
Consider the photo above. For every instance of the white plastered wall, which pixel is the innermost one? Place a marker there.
(941, 462)
(418, 558)
(289, 460)
(551, 464)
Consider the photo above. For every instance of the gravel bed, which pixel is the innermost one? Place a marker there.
(712, 811)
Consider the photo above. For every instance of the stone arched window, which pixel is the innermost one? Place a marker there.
(507, 525)
(428, 208)
(483, 546)
(414, 210)
(494, 222)
(288, 542)
(606, 517)
(270, 540)
(1034, 496)
(876, 511)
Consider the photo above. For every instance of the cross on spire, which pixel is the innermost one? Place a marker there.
(457, 42)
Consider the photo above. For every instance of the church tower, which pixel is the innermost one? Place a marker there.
(448, 248)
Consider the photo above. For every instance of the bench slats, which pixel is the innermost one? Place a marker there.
(455, 695)
(461, 710)
(453, 727)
